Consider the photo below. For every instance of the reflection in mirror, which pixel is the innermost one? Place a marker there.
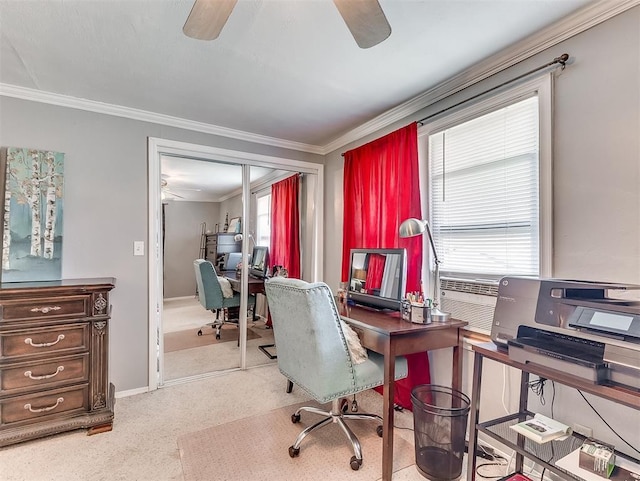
(377, 277)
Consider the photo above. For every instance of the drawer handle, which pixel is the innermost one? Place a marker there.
(29, 341)
(30, 375)
(42, 410)
(46, 309)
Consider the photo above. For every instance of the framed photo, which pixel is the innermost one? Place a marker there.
(235, 225)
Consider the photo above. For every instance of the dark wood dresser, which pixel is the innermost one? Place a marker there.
(54, 348)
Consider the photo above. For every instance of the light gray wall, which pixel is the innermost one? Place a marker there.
(596, 178)
(105, 204)
(231, 206)
(182, 243)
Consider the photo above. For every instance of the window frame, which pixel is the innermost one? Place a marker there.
(260, 195)
(542, 86)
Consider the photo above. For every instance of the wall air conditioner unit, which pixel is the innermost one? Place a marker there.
(470, 300)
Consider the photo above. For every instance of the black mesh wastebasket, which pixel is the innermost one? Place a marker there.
(440, 426)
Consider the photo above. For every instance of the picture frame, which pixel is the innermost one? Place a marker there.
(235, 225)
(33, 217)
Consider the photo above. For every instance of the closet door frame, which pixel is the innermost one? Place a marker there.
(158, 147)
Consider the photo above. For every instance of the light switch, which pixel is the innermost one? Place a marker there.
(138, 248)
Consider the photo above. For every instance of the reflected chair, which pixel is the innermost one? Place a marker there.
(313, 353)
(211, 297)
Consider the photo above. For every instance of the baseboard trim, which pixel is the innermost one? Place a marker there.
(132, 392)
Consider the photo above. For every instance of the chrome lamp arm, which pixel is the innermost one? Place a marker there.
(413, 227)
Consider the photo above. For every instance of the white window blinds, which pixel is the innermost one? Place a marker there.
(484, 192)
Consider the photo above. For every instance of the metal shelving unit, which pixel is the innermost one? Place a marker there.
(545, 454)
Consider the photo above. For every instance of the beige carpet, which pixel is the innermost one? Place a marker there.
(187, 339)
(222, 452)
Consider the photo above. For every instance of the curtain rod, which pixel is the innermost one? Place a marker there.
(562, 60)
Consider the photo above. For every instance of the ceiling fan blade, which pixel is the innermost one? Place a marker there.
(173, 194)
(207, 18)
(366, 21)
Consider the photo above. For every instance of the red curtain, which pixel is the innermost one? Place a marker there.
(285, 226)
(381, 189)
(375, 271)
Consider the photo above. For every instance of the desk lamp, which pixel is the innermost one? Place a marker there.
(239, 237)
(411, 228)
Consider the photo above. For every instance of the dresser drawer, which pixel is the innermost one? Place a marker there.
(45, 308)
(37, 407)
(48, 340)
(16, 379)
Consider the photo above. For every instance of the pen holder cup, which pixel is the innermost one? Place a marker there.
(416, 314)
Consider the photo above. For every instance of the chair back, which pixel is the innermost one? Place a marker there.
(312, 349)
(209, 290)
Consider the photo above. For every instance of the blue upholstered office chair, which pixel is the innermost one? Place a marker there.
(313, 353)
(211, 297)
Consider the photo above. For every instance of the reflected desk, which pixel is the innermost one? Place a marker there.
(386, 333)
(255, 285)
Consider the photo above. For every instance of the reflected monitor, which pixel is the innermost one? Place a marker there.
(259, 262)
(377, 277)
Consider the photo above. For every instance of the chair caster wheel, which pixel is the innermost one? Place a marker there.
(355, 462)
(379, 431)
(354, 406)
(295, 418)
(344, 406)
(294, 452)
(200, 332)
(218, 336)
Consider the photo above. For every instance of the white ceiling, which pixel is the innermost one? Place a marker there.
(286, 70)
(203, 181)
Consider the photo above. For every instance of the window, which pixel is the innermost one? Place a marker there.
(489, 185)
(263, 219)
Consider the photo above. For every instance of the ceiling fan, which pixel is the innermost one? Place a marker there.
(364, 18)
(164, 190)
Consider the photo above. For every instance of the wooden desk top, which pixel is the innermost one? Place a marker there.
(389, 322)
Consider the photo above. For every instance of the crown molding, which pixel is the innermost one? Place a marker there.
(33, 95)
(570, 26)
(576, 23)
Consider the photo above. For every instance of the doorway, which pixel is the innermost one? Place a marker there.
(246, 163)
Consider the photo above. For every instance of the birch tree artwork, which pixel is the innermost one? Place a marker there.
(32, 214)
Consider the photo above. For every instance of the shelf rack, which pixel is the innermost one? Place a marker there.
(545, 454)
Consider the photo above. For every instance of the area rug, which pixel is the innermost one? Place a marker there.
(257, 448)
(187, 339)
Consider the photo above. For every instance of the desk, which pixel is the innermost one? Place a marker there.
(255, 285)
(386, 333)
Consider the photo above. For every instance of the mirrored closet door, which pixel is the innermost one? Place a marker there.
(214, 224)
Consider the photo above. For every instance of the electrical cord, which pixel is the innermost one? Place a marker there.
(487, 476)
(608, 425)
(504, 388)
(537, 387)
(497, 461)
(553, 454)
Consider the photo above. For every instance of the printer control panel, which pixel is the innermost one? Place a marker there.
(626, 325)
